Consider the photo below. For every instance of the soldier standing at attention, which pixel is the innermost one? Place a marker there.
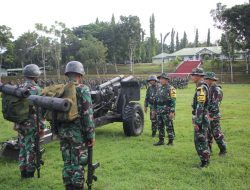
(27, 129)
(199, 116)
(149, 101)
(215, 98)
(76, 135)
(165, 109)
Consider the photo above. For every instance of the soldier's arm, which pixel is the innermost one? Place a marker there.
(215, 102)
(87, 113)
(146, 98)
(201, 100)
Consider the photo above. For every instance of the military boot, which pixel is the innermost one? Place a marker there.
(69, 187)
(153, 133)
(223, 152)
(30, 174)
(170, 142)
(160, 142)
(204, 164)
(78, 188)
(23, 174)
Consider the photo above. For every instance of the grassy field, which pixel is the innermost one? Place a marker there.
(134, 164)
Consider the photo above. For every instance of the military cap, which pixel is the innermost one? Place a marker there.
(152, 77)
(198, 71)
(211, 75)
(163, 75)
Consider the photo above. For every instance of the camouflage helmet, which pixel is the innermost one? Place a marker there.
(74, 67)
(163, 75)
(31, 70)
(198, 71)
(152, 78)
(211, 76)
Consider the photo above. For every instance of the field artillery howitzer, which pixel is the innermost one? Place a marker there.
(113, 101)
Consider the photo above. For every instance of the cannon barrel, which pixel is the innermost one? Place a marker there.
(50, 103)
(111, 82)
(14, 91)
(130, 77)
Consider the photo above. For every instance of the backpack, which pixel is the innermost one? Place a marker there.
(15, 109)
(65, 91)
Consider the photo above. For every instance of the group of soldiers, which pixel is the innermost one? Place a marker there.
(75, 136)
(206, 116)
(176, 82)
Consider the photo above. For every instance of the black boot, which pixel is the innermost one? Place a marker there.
(23, 174)
(30, 174)
(78, 188)
(223, 152)
(69, 187)
(170, 142)
(204, 164)
(160, 142)
(153, 133)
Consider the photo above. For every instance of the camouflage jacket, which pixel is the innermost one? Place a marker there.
(200, 104)
(165, 98)
(215, 98)
(150, 95)
(84, 104)
(34, 89)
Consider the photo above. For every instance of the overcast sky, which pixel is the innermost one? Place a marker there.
(21, 15)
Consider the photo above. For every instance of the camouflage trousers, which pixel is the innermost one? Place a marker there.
(214, 131)
(201, 142)
(74, 154)
(153, 120)
(27, 153)
(162, 121)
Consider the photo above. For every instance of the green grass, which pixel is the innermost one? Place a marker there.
(134, 164)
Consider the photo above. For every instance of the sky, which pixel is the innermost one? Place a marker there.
(182, 15)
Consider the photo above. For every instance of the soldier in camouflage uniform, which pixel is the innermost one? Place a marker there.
(165, 109)
(27, 129)
(215, 98)
(75, 136)
(149, 101)
(199, 116)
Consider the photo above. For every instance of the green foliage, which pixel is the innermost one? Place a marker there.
(196, 40)
(172, 47)
(208, 38)
(184, 41)
(177, 43)
(134, 163)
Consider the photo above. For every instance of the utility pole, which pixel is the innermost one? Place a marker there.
(162, 44)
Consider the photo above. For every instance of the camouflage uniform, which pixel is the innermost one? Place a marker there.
(164, 105)
(215, 98)
(200, 121)
(27, 133)
(149, 102)
(74, 136)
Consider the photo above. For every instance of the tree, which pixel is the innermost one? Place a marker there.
(5, 42)
(152, 35)
(113, 20)
(177, 42)
(172, 41)
(24, 47)
(92, 52)
(196, 41)
(208, 38)
(184, 41)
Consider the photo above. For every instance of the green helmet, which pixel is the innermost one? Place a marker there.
(164, 75)
(74, 67)
(31, 70)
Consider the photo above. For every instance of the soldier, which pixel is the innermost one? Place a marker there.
(215, 98)
(27, 129)
(165, 109)
(149, 101)
(199, 116)
(75, 136)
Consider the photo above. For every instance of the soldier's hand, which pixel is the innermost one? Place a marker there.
(210, 118)
(172, 115)
(145, 109)
(41, 133)
(91, 142)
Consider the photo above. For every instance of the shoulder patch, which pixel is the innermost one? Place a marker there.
(172, 92)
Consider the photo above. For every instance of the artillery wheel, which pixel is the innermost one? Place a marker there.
(133, 119)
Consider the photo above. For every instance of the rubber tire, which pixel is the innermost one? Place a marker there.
(133, 119)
